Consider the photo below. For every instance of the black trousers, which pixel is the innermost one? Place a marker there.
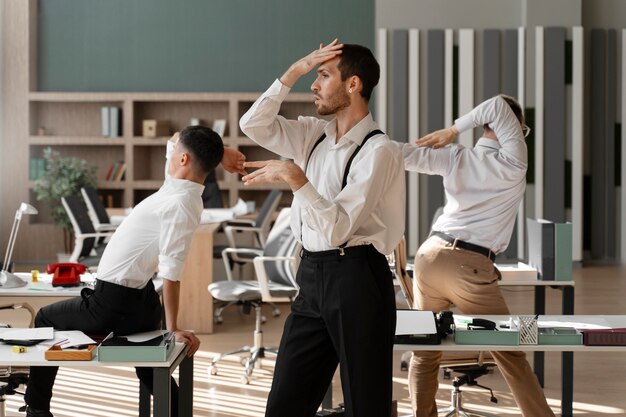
(344, 313)
(108, 308)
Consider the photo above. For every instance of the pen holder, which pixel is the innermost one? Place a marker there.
(528, 330)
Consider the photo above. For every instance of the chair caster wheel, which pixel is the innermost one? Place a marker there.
(243, 361)
(245, 380)
(213, 370)
(218, 320)
(263, 319)
(275, 312)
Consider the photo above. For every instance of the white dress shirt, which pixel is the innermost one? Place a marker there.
(484, 184)
(155, 237)
(370, 209)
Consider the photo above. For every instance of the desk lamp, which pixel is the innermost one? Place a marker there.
(7, 279)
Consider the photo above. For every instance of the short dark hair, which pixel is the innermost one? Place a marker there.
(205, 145)
(359, 60)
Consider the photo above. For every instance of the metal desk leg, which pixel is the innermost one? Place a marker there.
(162, 392)
(185, 389)
(567, 361)
(567, 380)
(144, 401)
(540, 308)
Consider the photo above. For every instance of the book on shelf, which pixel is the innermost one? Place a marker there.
(36, 168)
(115, 118)
(111, 121)
(119, 175)
(105, 122)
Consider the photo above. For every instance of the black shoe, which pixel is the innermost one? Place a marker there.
(32, 412)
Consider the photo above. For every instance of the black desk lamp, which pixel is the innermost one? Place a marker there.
(7, 279)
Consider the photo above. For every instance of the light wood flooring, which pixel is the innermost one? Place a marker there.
(599, 384)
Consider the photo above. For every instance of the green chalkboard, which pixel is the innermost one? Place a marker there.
(187, 45)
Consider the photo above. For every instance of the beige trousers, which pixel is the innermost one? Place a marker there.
(445, 275)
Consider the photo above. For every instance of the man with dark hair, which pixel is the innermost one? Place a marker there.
(348, 212)
(484, 186)
(154, 238)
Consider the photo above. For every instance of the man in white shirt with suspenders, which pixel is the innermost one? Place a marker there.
(484, 186)
(348, 212)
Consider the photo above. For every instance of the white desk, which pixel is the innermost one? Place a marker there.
(162, 372)
(567, 366)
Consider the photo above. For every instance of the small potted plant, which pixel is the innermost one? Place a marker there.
(64, 176)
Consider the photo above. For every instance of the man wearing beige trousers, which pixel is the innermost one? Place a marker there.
(484, 186)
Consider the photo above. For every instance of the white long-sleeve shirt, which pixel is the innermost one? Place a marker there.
(370, 209)
(155, 237)
(484, 184)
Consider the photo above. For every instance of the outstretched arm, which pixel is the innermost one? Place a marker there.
(171, 294)
(275, 171)
(439, 138)
(233, 160)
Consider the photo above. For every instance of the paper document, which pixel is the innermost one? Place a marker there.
(145, 336)
(67, 339)
(415, 322)
(37, 333)
(221, 215)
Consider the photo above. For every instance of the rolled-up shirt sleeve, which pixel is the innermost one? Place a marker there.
(498, 115)
(178, 224)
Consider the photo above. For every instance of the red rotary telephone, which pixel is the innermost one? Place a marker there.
(66, 274)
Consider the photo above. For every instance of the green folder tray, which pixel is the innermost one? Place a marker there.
(559, 336)
(463, 336)
(137, 352)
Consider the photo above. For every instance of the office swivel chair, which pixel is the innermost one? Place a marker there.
(212, 196)
(275, 282)
(470, 366)
(85, 235)
(259, 228)
(12, 377)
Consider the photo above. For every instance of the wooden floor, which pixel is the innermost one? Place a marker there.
(599, 385)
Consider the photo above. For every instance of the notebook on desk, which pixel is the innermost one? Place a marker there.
(416, 327)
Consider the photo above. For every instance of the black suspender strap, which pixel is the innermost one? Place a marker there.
(356, 151)
(319, 140)
(348, 165)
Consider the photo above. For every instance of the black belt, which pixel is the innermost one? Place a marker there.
(457, 243)
(351, 251)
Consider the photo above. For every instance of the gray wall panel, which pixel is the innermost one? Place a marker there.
(598, 139)
(399, 100)
(610, 218)
(491, 63)
(509, 64)
(554, 125)
(435, 94)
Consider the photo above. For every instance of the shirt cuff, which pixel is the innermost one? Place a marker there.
(464, 123)
(306, 195)
(170, 268)
(278, 89)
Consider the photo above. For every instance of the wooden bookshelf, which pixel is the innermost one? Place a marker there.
(71, 124)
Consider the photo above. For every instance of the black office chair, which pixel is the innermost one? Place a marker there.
(259, 228)
(212, 196)
(12, 377)
(85, 235)
(275, 282)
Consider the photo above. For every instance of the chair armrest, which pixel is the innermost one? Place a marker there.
(106, 227)
(230, 231)
(239, 222)
(229, 254)
(261, 275)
